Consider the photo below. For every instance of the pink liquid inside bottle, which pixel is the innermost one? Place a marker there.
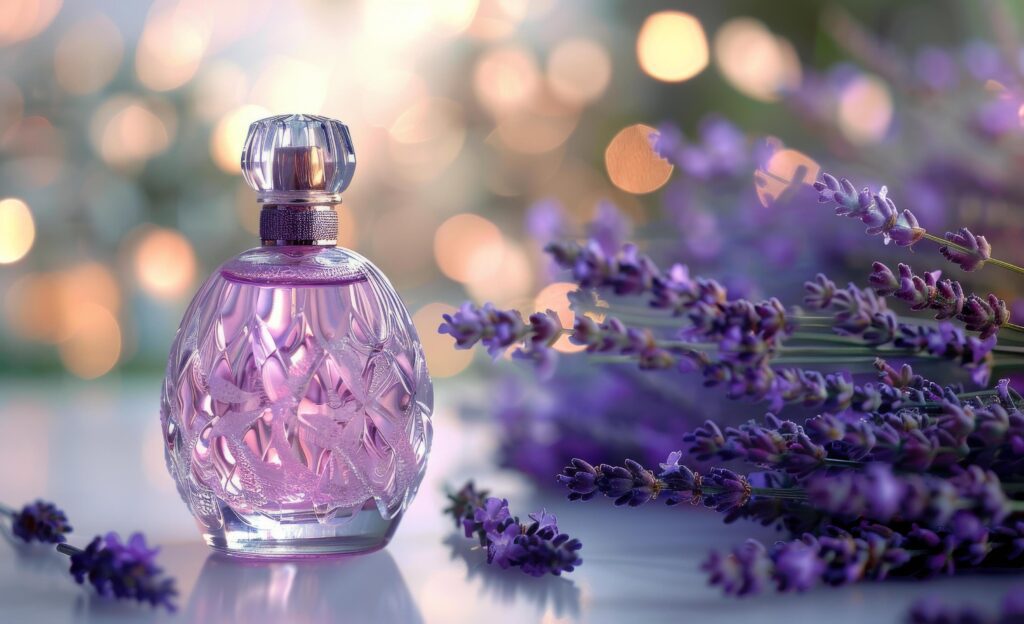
(296, 405)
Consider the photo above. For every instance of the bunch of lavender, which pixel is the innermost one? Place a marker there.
(115, 569)
(537, 548)
(745, 346)
(903, 476)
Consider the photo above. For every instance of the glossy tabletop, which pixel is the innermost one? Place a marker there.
(95, 449)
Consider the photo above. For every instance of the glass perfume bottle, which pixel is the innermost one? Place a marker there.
(296, 405)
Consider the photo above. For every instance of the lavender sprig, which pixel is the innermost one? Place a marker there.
(934, 610)
(537, 548)
(880, 214)
(122, 570)
(861, 312)
(983, 315)
(972, 496)
(989, 436)
(867, 551)
(40, 521)
(876, 210)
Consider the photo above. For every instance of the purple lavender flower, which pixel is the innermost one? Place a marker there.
(541, 550)
(493, 513)
(122, 570)
(934, 610)
(40, 521)
(936, 69)
(464, 502)
(610, 228)
(500, 543)
(537, 548)
(976, 250)
(723, 150)
(745, 571)
(876, 210)
(496, 329)
(837, 557)
(946, 297)
(863, 313)
(985, 316)
(798, 567)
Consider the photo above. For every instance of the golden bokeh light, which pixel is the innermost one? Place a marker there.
(542, 126)
(43, 306)
(220, 87)
(170, 50)
(228, 137)
(88, 55)
(128, 131)
(632, 163)
(555, 297)
(468, 248)
(505, 78)
(290, 84)
(511, 280)
(427, 138)
(672, 47)
(497, 19)
(94, 346)
(443, 359)
(17, 230)
(755, 61)
(784, 173)
(451, 17)
(164, 263)
(348, 231)
(397, 243)
(579, 71)
(24, 19)
(865, 110)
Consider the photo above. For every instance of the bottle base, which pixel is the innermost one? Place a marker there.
(365, 532)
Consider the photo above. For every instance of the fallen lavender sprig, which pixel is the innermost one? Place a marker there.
(40, 521)
(983, 315)
(537, 547)
(122, 570)
(114, 569)
(935, 610)
(880, 214)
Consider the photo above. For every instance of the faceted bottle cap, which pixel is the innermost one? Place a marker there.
(298, 159)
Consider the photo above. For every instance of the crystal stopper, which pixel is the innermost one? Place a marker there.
(298, 159)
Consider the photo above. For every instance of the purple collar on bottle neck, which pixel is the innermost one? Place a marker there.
(299, 225)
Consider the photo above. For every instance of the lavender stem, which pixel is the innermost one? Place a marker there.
(7, 511)
(68, 549)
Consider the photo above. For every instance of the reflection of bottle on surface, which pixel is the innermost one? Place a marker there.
(364, 589)
(296, 406)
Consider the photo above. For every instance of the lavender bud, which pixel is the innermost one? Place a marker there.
(978, 250)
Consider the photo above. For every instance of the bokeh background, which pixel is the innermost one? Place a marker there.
(483, 129)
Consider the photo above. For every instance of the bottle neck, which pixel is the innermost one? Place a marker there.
(299, 225)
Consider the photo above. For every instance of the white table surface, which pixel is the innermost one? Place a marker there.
(94, 448)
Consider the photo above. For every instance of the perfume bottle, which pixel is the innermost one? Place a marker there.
(296, 405)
